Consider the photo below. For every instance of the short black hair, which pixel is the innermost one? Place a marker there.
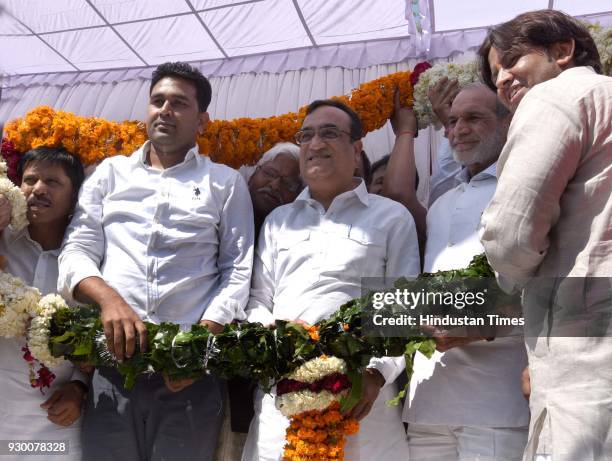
(384, 161)
(186, 72)
(537, 31)
(380, 163)
(57, 156)
(356, 125)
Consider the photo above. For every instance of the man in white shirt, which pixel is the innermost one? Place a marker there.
(310, 259)
(162, 235)
(465, 401)
(51, 179)
(547, 228)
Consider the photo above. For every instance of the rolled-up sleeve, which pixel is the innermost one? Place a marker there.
(83, 247)
(235, 260)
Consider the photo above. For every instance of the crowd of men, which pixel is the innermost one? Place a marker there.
(168, 235)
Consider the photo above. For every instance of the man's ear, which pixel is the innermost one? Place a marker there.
(358, 147)
(563, 53)
(204, 121)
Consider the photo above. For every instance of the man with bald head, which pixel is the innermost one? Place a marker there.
(466, 401)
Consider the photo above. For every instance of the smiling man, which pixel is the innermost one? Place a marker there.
(162, 235)
(547, 229)
(465, 401)
(310, 259)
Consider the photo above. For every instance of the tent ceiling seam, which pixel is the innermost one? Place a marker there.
(116, 32)
(132, 21)
(303, 20)
(432, 16)
(34, 34)
(210, 34)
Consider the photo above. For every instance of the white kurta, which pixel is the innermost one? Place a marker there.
(21, 417)
(479, 384)
(310, 261)
(551, 216)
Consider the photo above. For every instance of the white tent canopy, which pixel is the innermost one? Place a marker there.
(44, 36)
(263, 57)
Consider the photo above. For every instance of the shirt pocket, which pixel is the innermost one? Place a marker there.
(355, 253)
(295, 253)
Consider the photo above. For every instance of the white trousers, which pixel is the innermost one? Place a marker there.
(464, 443)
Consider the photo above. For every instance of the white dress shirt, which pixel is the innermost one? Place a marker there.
(177, 244)
(309, 261)
(20, 414)
(478, 384)
(444, 178)
(551, 216)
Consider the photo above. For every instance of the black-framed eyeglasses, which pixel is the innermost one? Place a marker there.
(271, 174)
(326, 134)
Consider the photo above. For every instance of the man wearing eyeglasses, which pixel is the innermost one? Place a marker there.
(275, 181)
(310, 259)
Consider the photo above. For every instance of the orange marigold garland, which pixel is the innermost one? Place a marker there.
(319, 435)
(310, 396)
(232, 142)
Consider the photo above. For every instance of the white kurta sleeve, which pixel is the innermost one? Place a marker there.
(544, 147)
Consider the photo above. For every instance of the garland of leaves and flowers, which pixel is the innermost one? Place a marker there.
(317, 369)
(232, 142)
(248, 350)
(13, 194)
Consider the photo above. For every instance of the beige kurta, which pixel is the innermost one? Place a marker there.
(551, 217)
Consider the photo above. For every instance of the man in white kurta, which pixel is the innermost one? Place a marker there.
(466, 402)
(51, 192)
(551, 218)
(310, 259)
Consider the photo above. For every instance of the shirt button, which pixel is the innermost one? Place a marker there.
(150, 278)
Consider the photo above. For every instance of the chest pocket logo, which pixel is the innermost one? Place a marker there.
(196, 193)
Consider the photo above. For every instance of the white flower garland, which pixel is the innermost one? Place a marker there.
(602, 36)
(294, 403)
(18, 302)
(38, 334)
(19, 205)
(317, 368)
(464, 73)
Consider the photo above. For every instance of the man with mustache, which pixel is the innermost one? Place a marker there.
(275, 181)
(465, 401)
(162, 235)
(51, 179)
(310, 259)
(547, 228)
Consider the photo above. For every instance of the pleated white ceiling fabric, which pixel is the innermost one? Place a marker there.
(226, 37)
